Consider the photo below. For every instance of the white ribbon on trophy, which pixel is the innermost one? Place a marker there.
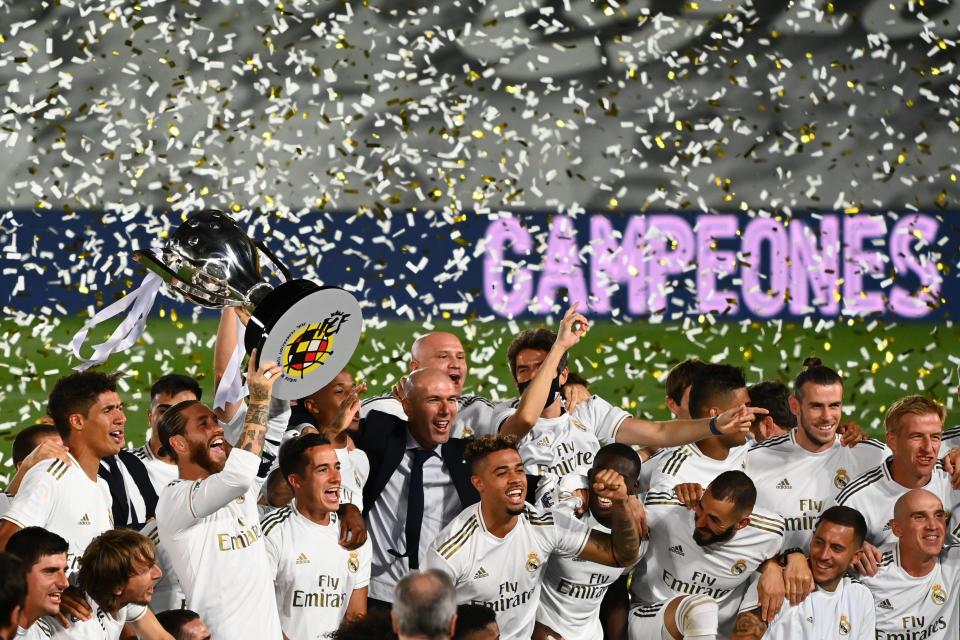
(140, 302)
(232, 388)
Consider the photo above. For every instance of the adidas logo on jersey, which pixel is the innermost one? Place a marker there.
(85, 520)
(544, 441)
(678, 550)
(885, 604)
(303, 559)
(481, 573)
(784, 484)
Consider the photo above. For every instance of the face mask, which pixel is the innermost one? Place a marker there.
(551, 395)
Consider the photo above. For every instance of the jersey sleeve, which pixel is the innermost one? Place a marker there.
(570, 535)
(603, 417)
(38, 496)
(135, 612)
(867, 609)
(366, 556)
(207, 496)
(751, 599)
(435, 561)
(273, 543)
(499, 417)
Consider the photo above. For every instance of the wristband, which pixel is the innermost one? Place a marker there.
(786, 554)
(713, 427)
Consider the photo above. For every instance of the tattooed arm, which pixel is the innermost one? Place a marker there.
(749, 626)
(260, 383)
(620, 547)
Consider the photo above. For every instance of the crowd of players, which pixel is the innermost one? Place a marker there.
(429, 513)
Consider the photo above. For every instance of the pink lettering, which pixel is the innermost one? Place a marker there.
(767, 298)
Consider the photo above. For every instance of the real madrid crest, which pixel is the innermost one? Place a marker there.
(844, 625)
(842, 479)
(938, 594)
(738, 567)
(533, 562)
(353, 562)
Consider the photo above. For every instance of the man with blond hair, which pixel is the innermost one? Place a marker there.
(914, 427)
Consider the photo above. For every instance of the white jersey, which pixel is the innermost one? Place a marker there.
(847, 613)
(211, 530)
(61, 498)
(505, 574)
(354, 471)
(649, 467)
(951, 439)
(798, 484)
(101, 625)
(561, 445)
(675, 565)
(910, 608)
(573, 590)
(875, 492)
(5, 501)
(161, 473)
(475, 416)
(167, 592)
(314, 576)
(42, 629)
(689, 464)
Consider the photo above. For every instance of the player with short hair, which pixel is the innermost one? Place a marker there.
(495, 551)
(914, 426)
(208, 519)
(718, 389)
(183, 624)
(44, 556)
(574, 590)
(165, 392)
(839, 607)
(801, 472)
(476, 622)
(696, 565)
(916, 588)
(13, 589)
(69, 498)
(442, 350)
(774, 396)
(117, 574)
(31, 446)
(318, 584)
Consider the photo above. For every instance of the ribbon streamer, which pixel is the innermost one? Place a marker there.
(140, 302)
(232, 388)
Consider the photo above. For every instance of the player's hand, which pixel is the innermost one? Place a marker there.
(635, 507)
(850, 433)
(353, 532)
(543, 632)
(46, 450)
(797, 578)
(398, 390)
(573, 326)
(348, 409)
(771, 590)
(609, 484)
(584, 496)
(867, 560)
(574, 394)
(689, 493)
(739, 419)
(260, 380)
(73, 607)
(951, 464)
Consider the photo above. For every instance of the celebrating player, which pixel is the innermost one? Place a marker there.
(44, 555)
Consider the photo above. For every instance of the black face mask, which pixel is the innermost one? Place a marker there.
(551, 395)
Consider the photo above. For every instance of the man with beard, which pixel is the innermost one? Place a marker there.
(495, 551)
(208, 519)
(44, 555)
(840, 608)
(117, 575)
(69, 498)
(441, 350)
(710, 552)
(914, 426)
(318, 583)
(575, 591)
(801, 472)
(916, 588)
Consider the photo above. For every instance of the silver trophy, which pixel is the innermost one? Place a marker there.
(311, 331)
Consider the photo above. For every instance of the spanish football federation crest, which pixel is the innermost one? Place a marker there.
(353, 562)
(533, 562)
(738, 567)
(310, 346)
(938, 594)
(842, 479)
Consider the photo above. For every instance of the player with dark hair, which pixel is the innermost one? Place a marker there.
(476, 622)
(709, 553)
(69, 498)
(13, 590)
(183, 624)
(318, 584)
(165, 392)
(44, 557)
(775, 398)
(31, 446)
(495, 551)
(839, 606)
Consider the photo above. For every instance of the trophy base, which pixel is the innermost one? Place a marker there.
(311, 331)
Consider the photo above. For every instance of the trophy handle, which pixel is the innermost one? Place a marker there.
(147, 259)
(173, 280)
(287, 276)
